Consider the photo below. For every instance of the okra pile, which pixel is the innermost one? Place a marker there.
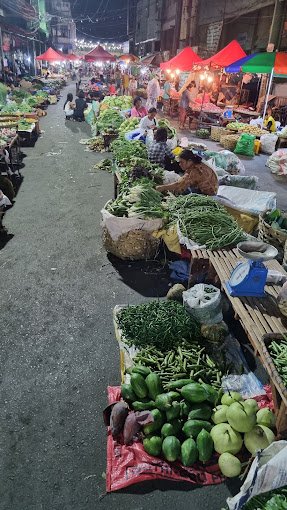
(186, 361)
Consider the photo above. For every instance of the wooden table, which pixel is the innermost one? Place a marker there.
(258, 316)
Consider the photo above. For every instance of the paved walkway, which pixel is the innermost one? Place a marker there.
(57, 348)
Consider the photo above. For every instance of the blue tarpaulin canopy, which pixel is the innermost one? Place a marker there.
(236, 66)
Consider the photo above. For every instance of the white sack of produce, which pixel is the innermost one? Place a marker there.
(172, 143)
(278, 162)
(268, 143)
(247, 200)
(117, 226)
(226, 160)
(204, 303)
(268, 472)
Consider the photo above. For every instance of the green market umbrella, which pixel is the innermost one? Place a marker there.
(267, 63)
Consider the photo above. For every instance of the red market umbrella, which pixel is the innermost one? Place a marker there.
(73, 57)
(184, 61)
(128, 57)
(51, 56)
(231, 53)
(99, 54)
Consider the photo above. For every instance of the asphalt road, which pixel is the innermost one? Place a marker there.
(58, 353)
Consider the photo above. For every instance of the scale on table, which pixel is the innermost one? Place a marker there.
(249, 278)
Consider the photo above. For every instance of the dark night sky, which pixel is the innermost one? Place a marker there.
(111, 15)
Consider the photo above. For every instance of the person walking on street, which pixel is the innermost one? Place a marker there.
(133, 85)
(153, 92)
(125, 83)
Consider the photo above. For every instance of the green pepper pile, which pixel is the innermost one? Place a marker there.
(162, 324)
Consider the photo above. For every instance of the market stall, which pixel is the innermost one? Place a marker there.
(185, 383)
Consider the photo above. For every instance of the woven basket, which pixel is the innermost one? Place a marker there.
(276, 238)
(216, 132)
(229, 141)
(133, 245)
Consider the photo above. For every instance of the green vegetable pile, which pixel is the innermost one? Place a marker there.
(185, 361)
(108, 121)
(278, 353)
(171, 131)
(138, 200)
(189, 425)
(273, 500)
(105, 164)
(129, 125)
(203, 220)
(161, 324)
(202, 133)
(121, 102)
(125, 150)
(140, 167)
(277, 220)
(181, 417)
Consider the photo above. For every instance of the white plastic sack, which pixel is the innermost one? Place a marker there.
(278, 162)
(226, 160)
(247, 200)
(268, 143)
(268, 472)
(204, 303)
(117, 226)
(172, 143)
(170, 177)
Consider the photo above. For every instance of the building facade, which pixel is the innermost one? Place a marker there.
(63, 28)
(207, 26)
(147, 35)
(23, 34)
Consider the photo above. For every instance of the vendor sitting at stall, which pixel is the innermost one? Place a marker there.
(138, 109)
(198, 177)
(158, 150)
(149, 121)
(269, 122)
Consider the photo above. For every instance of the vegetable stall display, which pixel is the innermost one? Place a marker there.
(191, 422)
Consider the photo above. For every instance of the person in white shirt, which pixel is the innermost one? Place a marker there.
(69, 107)
(153, 91)
(149, 121)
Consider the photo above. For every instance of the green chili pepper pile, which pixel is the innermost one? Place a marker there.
(162, 324)
(187, 361)
(203, 220)
(278, 353)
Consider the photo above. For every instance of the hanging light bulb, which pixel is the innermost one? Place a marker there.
(209, 79)
(177, 71)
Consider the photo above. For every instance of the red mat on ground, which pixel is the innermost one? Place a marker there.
(128, 465)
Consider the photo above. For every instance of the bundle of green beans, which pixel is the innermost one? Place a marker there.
(278, 353)
(205, 221)
(162, 324)
(185, 361)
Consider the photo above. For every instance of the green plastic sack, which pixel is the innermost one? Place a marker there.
(245, 145)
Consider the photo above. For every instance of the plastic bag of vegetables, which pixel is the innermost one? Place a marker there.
(204, 303)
